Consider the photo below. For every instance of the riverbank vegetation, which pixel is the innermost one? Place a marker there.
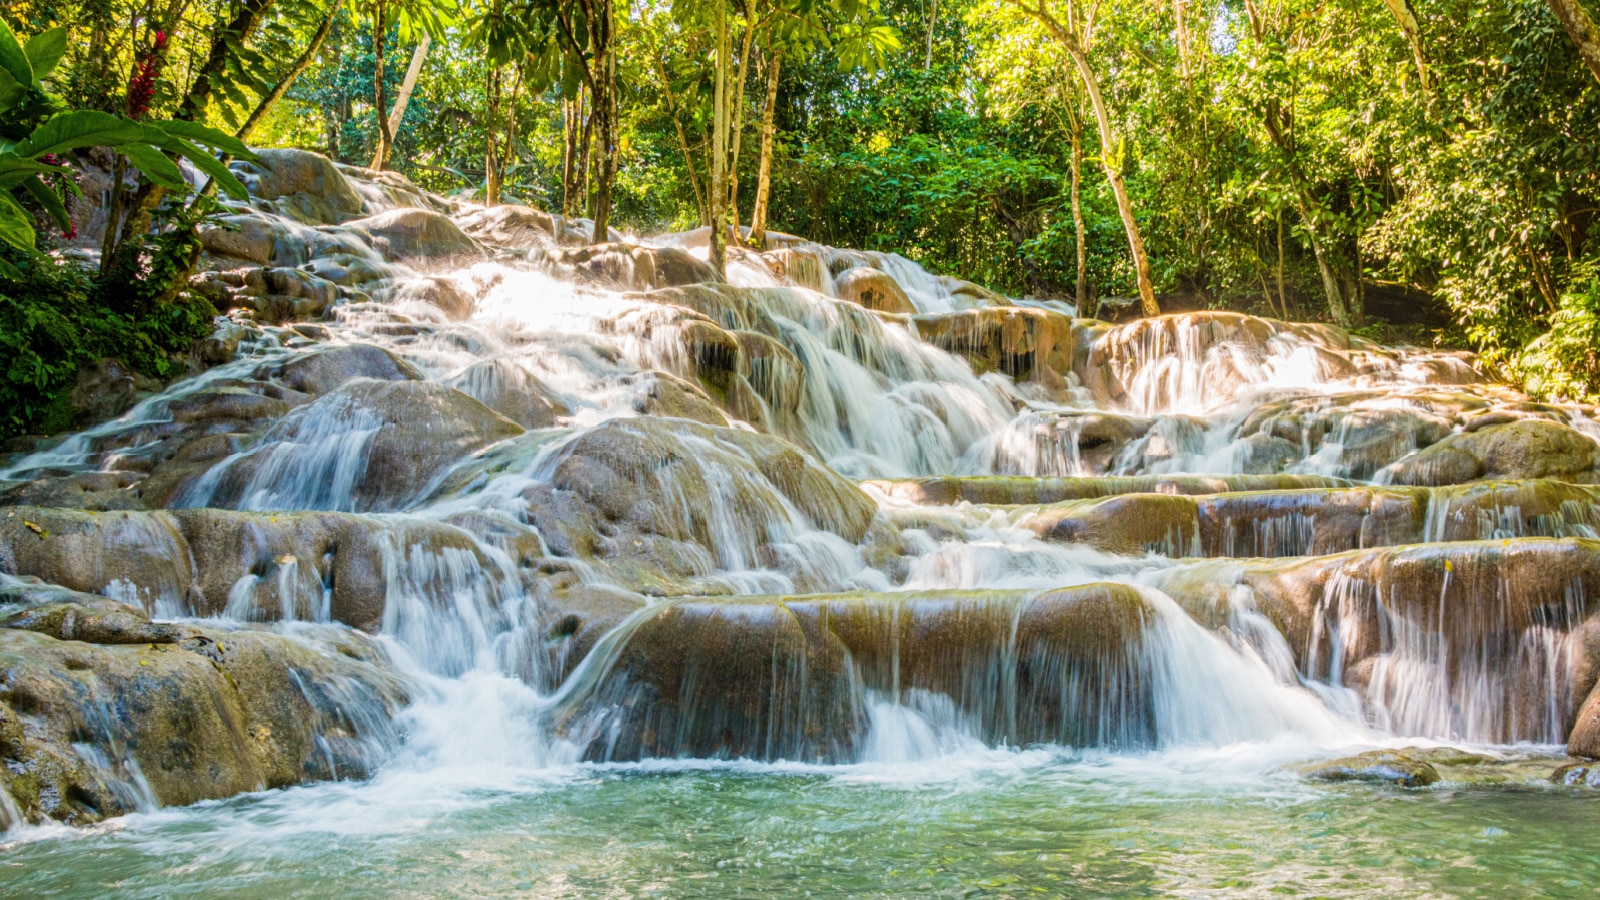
(1353, 161)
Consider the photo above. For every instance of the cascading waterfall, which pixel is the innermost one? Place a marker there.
(641, 537)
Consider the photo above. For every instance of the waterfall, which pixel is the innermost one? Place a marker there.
(613, 514)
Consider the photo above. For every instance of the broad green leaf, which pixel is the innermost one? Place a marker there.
(16, 228)
(79, 128)
(213, 167)
(155, 165)
(15, 169)
(12, 58)
(208, 137)
(44, 50)
(10, 90)
(49, 199)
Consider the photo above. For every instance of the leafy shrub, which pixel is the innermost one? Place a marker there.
(1564, 362)
(55, 318)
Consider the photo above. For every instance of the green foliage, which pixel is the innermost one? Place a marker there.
(1564, 362)
(55, 318)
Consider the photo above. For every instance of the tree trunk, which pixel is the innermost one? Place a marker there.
(758, 215)
(299, 67)
(237, 30)
(1330, 282)
(1412, 29)
(933, 18)
(1283, 296)
(683, 144)
(491, 158)
(605, 111)
(1180, 14)
(1086, 308)
(398, 114)
(1119, 189)
(571, 171)
(1581, 29)
(736, 130)
(585, 148)
(380, 90)
(719, 146)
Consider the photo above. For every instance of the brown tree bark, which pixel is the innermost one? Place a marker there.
(1108, 150)
(398, 114)
(297, 69)
(238, 29)
(758, 215)
(491, 154)
(1412, 29)
(719, 147)
(1085, 306)
(736, 132)
(1581, 29)
(683, 144)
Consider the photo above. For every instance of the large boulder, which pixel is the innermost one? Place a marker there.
(92, 730)
(1024, 343)
(413, 233)
(784, 677)
(322, 371)
(368, 445)
(510, 225)
(300, 184)
(1526, 448)
(874, 290)
(629, 267)
(1469, 640)
(508, 388)
(670, 500)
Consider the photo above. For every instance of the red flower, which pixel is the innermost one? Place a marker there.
(142, 87)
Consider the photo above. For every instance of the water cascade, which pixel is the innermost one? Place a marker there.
(469, 494)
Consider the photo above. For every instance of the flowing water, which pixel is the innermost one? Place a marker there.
(792, 702)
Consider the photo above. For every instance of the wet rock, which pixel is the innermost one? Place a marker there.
(235, 403)
(1226, 348)
(779, 677)
(1577, 775)
(1022, 342)
(512, 391)
(246, 239)
(1378, 767)
(300, 184)
(1010, 490)
(669, 395)
(800, 266)
(96, 491)
(677, 499)
(519, 227)
(95, 620)
(966, 295)
(219, 714)
(441, 293)
(276, 294)
(874, 290)
(107, 389)
(323, 371)
(1376, 620)
(1529, 448)
(417, 234)
(1131, 523)
(393, 438)
(138, 558)
(1584, 740)
(630, 267)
